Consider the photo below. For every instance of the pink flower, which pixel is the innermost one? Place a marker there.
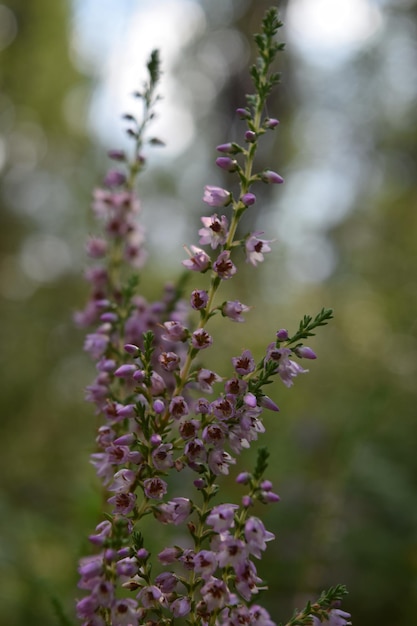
(199, 260)
(206, 379)
(216, 196)
(223, 266)
(181, 606)
(222, 517)
(256, 536)
(233, 309)
(215, 594)
(214, 231)
(337, 617)
(123, 481)
(205, 563)
(286, 368)
(256, 248)
(244, 364)
(200, 339)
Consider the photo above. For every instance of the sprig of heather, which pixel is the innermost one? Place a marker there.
(153, 399)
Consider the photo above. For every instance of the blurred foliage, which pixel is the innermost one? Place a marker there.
(343, 446)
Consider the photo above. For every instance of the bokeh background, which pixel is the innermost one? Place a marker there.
(345, 226)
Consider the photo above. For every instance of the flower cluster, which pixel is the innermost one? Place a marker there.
(164, 415)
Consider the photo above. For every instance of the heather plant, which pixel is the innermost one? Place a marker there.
(166, 419)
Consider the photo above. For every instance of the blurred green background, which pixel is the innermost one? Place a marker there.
(345, 223)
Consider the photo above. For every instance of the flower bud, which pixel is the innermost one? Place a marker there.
(230, 165)
(248, 199)
(305, 353)
(250, 136)
(268, 176)
(244, 114)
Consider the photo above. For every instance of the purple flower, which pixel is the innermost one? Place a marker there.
(286, 368)
(337, 617)
(216, 196)
(166, 581)
(234, 310)
(195, 451)
(123, 481)
(162, 456)
(103, 530)
(96, 247)
(181, 606)
(205, 563)
(114, 178)
(215, 434)
(124, 612)
(86, 607)
(223, 408)
(127, 567)
(200, 339)
(231, 551)
(214, 231)
(256, 536)
(219, 461)
(215, 594)
(199, 260)
(206, 379)
(260, 616)
(175, 511)
(223, 266)
(247, 579)
(244, 364)
(256, 248)
(199, 299)
(168, 555)
(178, 407)
(169, 361)
(124, 503)
(150, 596)
(174, 331)
(96, 344)
(155, 488)
(271, 177)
